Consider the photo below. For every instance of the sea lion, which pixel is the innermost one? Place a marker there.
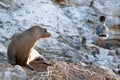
(21, 49)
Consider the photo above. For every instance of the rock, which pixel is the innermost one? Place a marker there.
(118, 52)
(83, 3)
(113, 21)
(59, 70)
(20, 71)
(3, 50)
(8, 72)
(107, 7)
(115, 33)
(79, 72)
(93, 50)
(10, 5)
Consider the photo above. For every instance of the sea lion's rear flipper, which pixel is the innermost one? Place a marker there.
(39, 65)
(37, 62)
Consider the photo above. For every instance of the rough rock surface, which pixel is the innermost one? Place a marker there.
(12, 73)
(58, 71)
(72, 25)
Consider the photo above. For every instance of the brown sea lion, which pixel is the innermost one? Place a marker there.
(21, 49)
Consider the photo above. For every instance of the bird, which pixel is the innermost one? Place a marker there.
(102, 29)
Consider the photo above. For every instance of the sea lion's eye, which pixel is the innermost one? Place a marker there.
(45, 30)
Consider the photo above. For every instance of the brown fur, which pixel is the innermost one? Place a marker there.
(64, 2)
(21, 46)
(61, 1)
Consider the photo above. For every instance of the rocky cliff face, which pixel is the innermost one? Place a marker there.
(72, 24)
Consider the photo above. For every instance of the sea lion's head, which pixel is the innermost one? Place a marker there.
(40, 31)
